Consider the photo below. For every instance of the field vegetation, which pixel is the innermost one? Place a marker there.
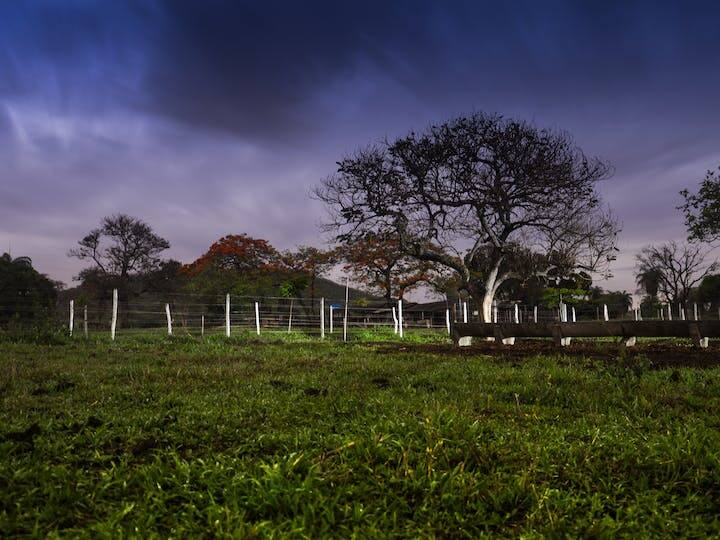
(187, 437)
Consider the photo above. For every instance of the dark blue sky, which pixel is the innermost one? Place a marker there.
(207, 117)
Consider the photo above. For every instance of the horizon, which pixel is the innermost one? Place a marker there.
(207, 122)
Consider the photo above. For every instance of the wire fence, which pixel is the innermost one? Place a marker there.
(320, 317)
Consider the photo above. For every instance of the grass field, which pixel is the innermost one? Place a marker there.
(181, 437)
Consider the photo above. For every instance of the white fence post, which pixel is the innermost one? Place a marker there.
(113, 321)
(447, 320)
(574, 318)
(535, 314)
(395, 321)
(464, 305)
(564, 318)
(85, 330)
(517, 314)
(290, 317)
(495, 314)
(72, 316)
(257, 318)
(202, 325)
(682, 312)
(695, 312)
(345, 318)
(669, 312)
(322, 318)
(227, 315)
(606, 315)
(169, 319)
(400, 318)
(331, 318)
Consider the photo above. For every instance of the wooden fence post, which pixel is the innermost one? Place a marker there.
(257, 318)
(113, 321)
(202, 325)
(227, 315)
(400, 319)
(345, 318)
(322, 318)
(169, 319)
(85, 330)
(72, 316)
(290, 317)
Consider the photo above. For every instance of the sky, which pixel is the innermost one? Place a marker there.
(206, 118)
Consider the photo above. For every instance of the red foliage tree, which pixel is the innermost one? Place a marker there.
(378, 263)
(237, 252)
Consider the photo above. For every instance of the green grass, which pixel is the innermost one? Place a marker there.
(181, 437)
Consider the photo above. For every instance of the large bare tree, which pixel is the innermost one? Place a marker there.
(675, 269)
(486, 197)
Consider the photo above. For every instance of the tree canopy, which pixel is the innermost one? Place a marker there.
(25, 294)
(702, 209)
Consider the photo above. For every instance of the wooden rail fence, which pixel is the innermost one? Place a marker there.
(627, 331)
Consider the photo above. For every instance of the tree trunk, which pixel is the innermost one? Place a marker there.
(491, 286)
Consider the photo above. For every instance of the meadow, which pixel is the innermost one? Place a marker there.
(155, 436)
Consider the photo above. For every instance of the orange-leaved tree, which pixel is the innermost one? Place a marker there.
(238, 264)
(377, 262)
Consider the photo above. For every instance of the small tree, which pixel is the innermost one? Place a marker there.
(484, 197)
(379, 264)
(676, 268)
(121, 248)
(702, 210)
(310, 261)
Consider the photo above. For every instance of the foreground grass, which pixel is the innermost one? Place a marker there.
(180, 437)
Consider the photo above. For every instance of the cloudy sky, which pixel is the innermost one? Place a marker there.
(207, 117)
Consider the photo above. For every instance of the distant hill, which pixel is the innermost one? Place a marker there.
(331, 290)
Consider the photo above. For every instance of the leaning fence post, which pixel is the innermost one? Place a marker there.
(227, 315)
(257, 318)
(606, 315)
(72, 316)
(113, 321)
(395, 320)
(400, 319)
(322, 318)
(169, 319)
(85, 330)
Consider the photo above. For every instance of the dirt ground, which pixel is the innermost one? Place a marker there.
(660, 354)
